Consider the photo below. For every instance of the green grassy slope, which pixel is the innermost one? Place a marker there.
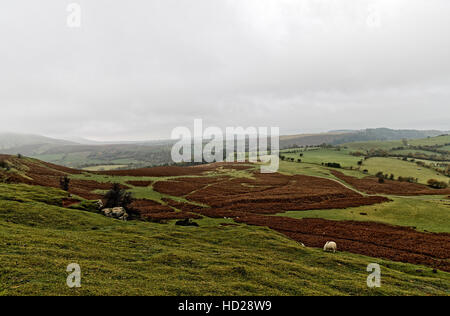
(315, 170)
(325, 155)
(38, 240)
(439, 140)
(304, 168)
(402, 152)
(312, 160)
(387, 145)
(83, 159)
(402, 168)
(364, 146)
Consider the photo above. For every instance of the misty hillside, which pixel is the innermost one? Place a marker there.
(12, 140)
(152, 153)
(341, 137)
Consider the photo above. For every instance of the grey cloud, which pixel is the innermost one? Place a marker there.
(137, 69)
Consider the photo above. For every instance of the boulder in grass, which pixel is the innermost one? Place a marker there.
(99, 204)
(116, 212)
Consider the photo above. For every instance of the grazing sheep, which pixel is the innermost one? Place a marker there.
(330, 246)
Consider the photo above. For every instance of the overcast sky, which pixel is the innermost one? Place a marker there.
(138, 68)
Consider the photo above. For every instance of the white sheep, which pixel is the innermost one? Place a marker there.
(330, 246)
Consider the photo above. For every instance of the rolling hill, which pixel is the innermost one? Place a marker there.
(341, 137)
(29, 143)
(89, 154)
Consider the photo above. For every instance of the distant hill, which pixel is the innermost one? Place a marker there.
(85, 153)
(288, 141)
(341, 137)
(12, 140)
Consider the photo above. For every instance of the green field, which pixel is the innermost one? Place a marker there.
(82, 159)
(38, 240)
(423, 213)
(312, 165)
(325, 155)
(435, 164)
(304, 168)
(402, 168)
(439, 140)
(388, 145)
(314, 170)
(413, 151)
(365, 146)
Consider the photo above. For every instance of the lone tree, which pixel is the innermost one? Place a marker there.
(379, 174)
(435, 184)
(4, 165)
(64, 183)
(117, 197)
(380, 177)
(405, 141)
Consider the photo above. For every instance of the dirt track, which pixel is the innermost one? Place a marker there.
(371, 239)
